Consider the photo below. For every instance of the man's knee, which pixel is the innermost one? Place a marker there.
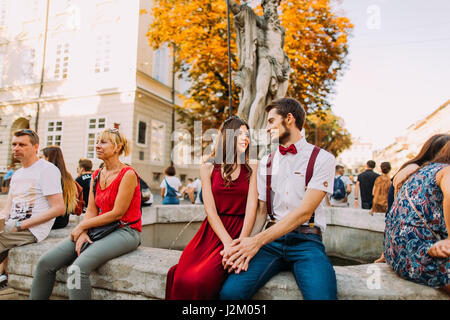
(232, 291)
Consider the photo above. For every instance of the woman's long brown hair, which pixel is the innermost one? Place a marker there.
(429, 150)
(70, 190)
(443, 156)
(225, 150)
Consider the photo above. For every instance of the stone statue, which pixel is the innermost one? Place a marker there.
(263, 65)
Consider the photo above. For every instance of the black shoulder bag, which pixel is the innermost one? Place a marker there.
(97, 233)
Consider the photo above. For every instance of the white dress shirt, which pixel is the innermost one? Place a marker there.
(288, 180)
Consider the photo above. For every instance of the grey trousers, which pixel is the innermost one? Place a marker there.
(117, 243)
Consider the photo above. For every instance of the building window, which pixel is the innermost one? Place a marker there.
(28, 60)
(142, 133)
(161, 64)
(103, 54)
(62, 61)
(96, 126)
(157, 141)
(54, 133)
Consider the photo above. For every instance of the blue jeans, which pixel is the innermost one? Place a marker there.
(304, 254)
(170, 200)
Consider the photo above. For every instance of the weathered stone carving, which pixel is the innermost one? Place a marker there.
(264, 67)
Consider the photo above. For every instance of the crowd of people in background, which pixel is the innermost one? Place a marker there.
(248, 230)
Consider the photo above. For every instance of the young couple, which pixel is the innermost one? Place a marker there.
(225, 259)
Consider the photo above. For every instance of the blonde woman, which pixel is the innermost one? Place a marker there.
(71, 189)
(116, 198)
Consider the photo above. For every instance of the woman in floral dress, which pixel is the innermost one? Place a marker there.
(416, 243)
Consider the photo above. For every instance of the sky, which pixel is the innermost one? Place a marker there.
(399, 66)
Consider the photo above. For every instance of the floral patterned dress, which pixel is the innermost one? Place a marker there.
(407, 239)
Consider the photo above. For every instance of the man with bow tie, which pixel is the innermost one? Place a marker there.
(292, 184)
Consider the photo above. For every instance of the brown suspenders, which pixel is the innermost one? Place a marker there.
(308, 176)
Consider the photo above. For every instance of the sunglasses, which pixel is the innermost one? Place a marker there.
(116, 131)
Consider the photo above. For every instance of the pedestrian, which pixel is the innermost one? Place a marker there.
(342, 187)
(7, 179)
(115, 200)
(72, 191)
(170, 187)
(364, 185)
(34, 200)
(230, 197)
(84, 178)
(381, 189)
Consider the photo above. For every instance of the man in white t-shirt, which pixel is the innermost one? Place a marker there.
(197, 184)
(34, 198)
(293, 238)
(337, 199)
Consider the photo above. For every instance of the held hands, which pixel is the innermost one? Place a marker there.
(238, 254)
(440, 249)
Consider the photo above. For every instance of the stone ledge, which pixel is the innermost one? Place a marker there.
(141, 274)
(347, 217)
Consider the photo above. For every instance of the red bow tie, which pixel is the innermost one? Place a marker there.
(292, 149)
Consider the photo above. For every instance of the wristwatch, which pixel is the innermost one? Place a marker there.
(18, 224)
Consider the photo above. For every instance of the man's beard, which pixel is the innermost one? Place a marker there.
(284, 137)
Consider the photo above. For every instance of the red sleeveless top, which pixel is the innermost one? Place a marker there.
(231, 199)
(104, 199)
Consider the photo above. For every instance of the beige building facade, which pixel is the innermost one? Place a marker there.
(72, 68)
(408, 145)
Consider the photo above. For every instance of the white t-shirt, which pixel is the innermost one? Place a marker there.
(173, 181)
(29, 189)
(341, 203)
(197, 184)
(288, 180)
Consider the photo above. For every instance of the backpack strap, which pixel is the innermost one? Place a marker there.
(309, 174)
(269, 186)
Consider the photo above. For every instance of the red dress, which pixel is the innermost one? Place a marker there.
(104, 199)
(199, 275)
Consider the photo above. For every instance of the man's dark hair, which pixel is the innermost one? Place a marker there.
(339, 167)
(85, 164)
(34, 138)
(371, 164)
(385, 167)
(170, 171)
(284, 106)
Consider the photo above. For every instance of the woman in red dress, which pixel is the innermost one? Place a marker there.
(230, 199)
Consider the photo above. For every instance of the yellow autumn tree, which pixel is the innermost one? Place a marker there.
(316, 43)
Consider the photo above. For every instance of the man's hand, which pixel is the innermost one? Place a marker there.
(244, 249)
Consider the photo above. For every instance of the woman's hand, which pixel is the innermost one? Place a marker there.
(440, 249)
(76, 232)
(226, 254)
(81, 240)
